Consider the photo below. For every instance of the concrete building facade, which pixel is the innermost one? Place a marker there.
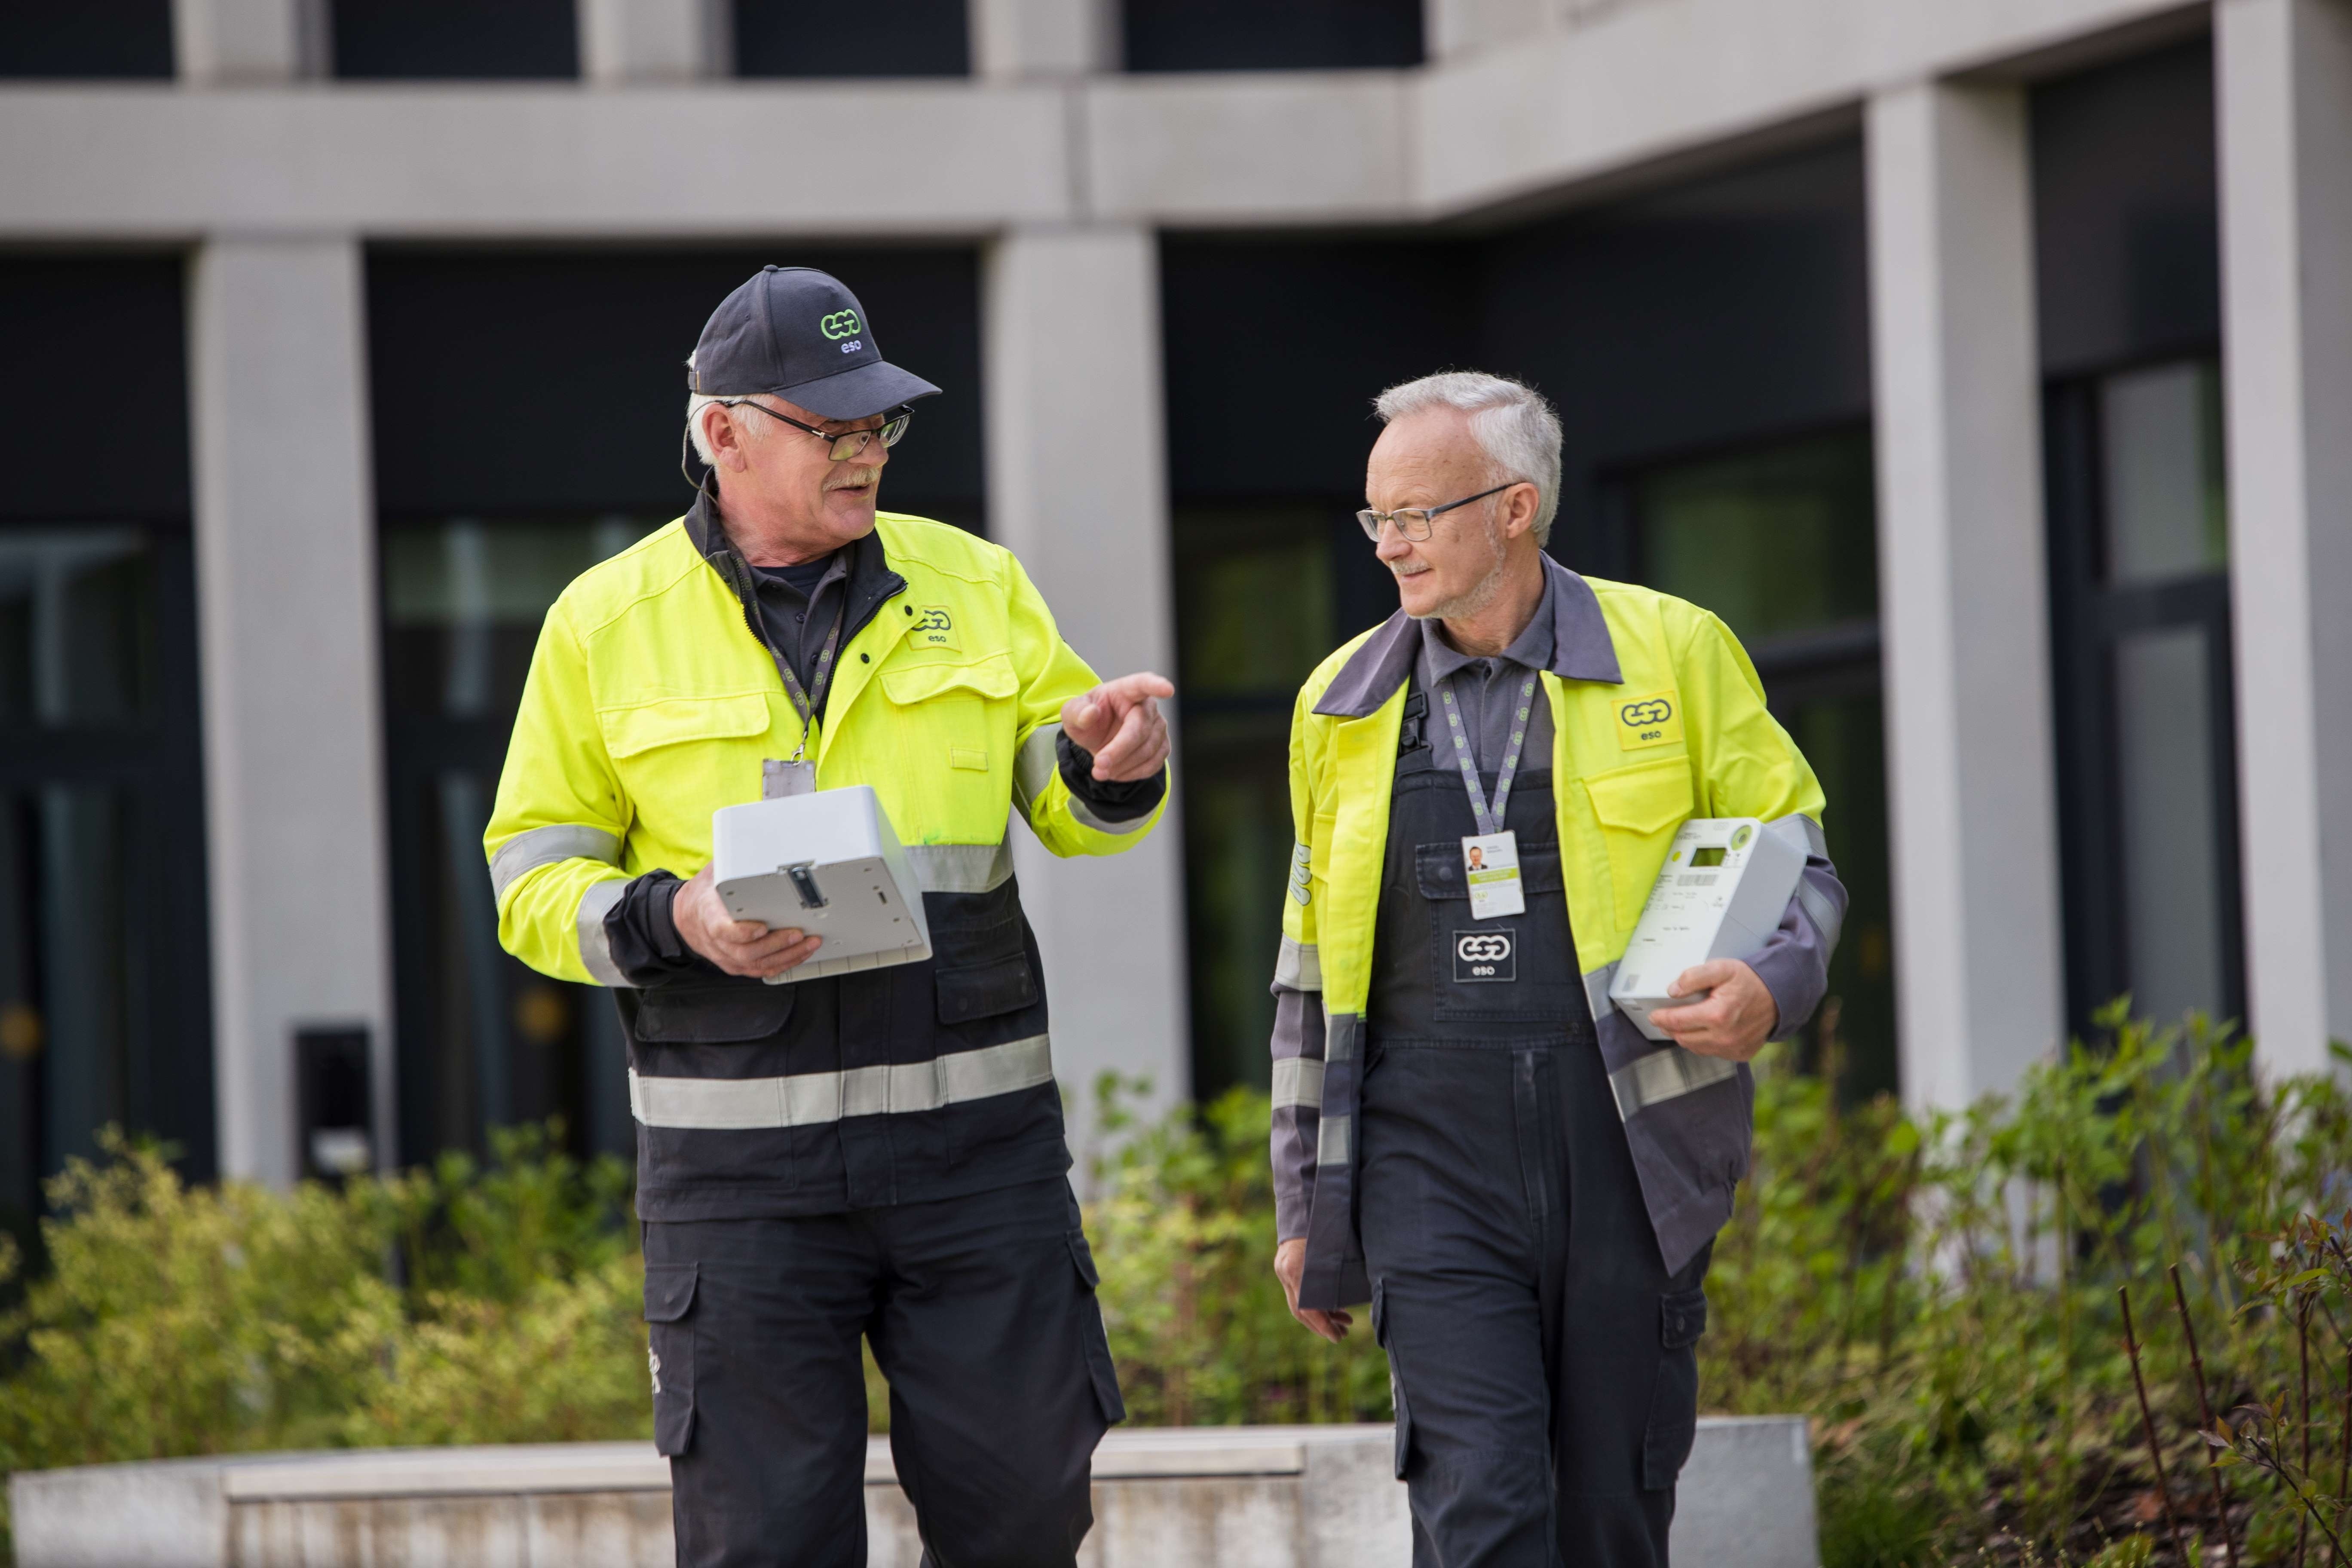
(1825, 276)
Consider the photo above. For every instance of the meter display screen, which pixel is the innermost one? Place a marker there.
(1712, 855)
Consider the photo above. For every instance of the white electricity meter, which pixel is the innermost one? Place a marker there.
(1721, 893)
(829, 864)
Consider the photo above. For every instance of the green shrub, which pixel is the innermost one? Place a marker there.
(1939, 1299)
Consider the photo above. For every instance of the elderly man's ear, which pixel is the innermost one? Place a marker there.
(1519, 503)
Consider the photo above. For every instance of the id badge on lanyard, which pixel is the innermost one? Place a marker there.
(1490, 856)
(1491, 861)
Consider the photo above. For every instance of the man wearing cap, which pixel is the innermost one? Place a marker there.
(861, 1153)
(1467, 1132)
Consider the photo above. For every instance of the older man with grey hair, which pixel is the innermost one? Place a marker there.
(1466, 1132)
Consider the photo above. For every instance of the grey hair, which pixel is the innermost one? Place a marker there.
(696, 401)
(1511, 422)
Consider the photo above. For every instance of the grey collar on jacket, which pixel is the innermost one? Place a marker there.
(1582, 649)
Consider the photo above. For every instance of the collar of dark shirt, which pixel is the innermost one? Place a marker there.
(805, 577)
(1531, 649)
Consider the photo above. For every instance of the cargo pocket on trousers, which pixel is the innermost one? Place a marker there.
(1674, 1403)
(1097, 1338)
(1396, 1383)
(669, 1355)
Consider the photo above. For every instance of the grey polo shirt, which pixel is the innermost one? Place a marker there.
(1486, 690)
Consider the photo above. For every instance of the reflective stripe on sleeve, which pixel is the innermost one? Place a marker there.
(1033, 766)
(960, 868)
(1331, 1140)
(1665, 1075)
(805, 1099)
(1297, 1082)
(1298, 966)
(1085, 817)
(1823, 911)
(596, 950)
(1817, 843)
(526, 852)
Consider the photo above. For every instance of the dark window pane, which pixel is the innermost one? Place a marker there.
(1251, 34)
(2126, 211)
(486, 1042)
(609, 442)
(908, 38)
(77, 625)
(419, 39)
(1255, 587)
(1777, 542)
(1780, 542)
(2167, 499)
(85, 38)
(81, 332)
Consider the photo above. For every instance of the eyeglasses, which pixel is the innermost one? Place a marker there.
(847, 443)
(1412, 521)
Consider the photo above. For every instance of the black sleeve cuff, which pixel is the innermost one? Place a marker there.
(642, 936)
(1109, 799)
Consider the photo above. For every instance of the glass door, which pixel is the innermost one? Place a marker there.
(1780, 541)
(105, 1000)
(2145, 714)
(485, 1041)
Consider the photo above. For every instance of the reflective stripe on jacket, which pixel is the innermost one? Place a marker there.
(651, 703)
(1658, 716)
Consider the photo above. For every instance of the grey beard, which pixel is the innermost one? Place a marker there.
(1480, 595)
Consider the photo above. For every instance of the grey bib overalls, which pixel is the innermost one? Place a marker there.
(1546, 1384)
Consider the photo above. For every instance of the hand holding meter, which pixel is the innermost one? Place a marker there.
(829, 864)
(1721, 893)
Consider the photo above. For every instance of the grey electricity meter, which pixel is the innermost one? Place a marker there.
(829, 864)
(1726, 883)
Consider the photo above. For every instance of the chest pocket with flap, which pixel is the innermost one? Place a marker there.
(1638, 809)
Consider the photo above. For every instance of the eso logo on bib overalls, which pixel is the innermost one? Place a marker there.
(1486, 955)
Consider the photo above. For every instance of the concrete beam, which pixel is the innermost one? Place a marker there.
(2284, 80)
(1605, 94)
(287, 606)
(1652, 81)
(1963, 596)
(629, 42)
(1253, 148)
(1078, 487)
(532, 160)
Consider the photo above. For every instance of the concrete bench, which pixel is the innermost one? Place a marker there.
(1196, 1496)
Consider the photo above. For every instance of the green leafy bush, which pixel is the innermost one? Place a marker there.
(1940, 1298)
(193, 1320)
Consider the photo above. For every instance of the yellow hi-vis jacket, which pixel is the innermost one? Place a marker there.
(651, 701)
(650, 704)
(1658, 716)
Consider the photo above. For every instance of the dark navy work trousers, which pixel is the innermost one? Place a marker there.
(982, 1313)
(1546, 1389)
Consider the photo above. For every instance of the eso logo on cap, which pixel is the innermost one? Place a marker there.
(1485, 956)
(841, 324)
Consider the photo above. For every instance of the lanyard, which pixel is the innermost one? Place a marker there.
(804, 702)
(1490, 820)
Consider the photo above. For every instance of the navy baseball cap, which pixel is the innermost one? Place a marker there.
(800, 334)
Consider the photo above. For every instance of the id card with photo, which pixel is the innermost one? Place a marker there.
(1491, 863)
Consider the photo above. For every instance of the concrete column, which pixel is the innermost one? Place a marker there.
(624, 41)
(1961, 589)
(239, 42)
(1465, 27)
(1016, 38)
(286, 574)
(1078, 487)
(2284, 101)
